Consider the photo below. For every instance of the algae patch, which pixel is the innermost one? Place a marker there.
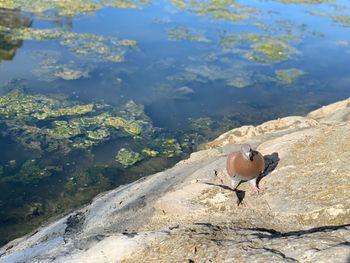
(216, 10)
(183, 33)
(127, 157)
(103, 48)
(50, 70)
(70, 7)
(289, 76)
(65, 125)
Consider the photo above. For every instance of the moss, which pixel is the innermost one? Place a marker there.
(127, 157)
(289, 76)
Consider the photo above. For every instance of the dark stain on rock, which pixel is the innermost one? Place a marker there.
(74, 224)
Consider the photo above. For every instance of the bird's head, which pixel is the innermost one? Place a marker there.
(247, 152)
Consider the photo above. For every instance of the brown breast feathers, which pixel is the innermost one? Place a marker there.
(229, 163)
(237, 165)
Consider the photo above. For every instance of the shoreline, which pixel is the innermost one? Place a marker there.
(131, 221)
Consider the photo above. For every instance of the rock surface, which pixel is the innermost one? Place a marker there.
(189, 214)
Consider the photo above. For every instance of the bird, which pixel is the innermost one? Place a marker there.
(245, 165)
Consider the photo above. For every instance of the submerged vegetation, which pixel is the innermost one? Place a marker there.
(182, 33)
(69, 7)
(88, 45)
(46, 125)
(289, 76)
(218, 10)
(50, 70)
(340, 18)
(272, 45)
(306, 2)
(60, 125)
(127, 157)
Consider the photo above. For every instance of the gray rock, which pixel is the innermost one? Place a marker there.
(189, 214)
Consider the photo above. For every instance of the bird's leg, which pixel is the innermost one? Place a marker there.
(255, 187)
(235, 182)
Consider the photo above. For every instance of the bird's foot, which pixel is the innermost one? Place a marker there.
(256, 189)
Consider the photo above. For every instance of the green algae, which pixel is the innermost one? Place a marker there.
(270, 51)
(50, 70)
(306, 2)
(30, 171)
(130, 127)
(264, 48)
(12, 163)
(110, 49)
(68, 111)
(228, 10)
(341, 18)
(184, 33)
(289, 76)
(166, 92)
(234, 73)
(170, 147)
(38, 119)
(150, 153)
(44, 124)
(343, 43)
(63, 130)
(70, 7)
(181, 4)
(127, 157)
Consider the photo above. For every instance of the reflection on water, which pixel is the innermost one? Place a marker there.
(11, 19)
(104, 92)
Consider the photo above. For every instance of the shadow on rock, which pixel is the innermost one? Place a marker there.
(239, 193)
(271, 162)
(271, 233)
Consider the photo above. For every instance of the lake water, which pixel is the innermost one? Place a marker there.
(99, 93)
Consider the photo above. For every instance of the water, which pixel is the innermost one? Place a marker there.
(95, 94)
